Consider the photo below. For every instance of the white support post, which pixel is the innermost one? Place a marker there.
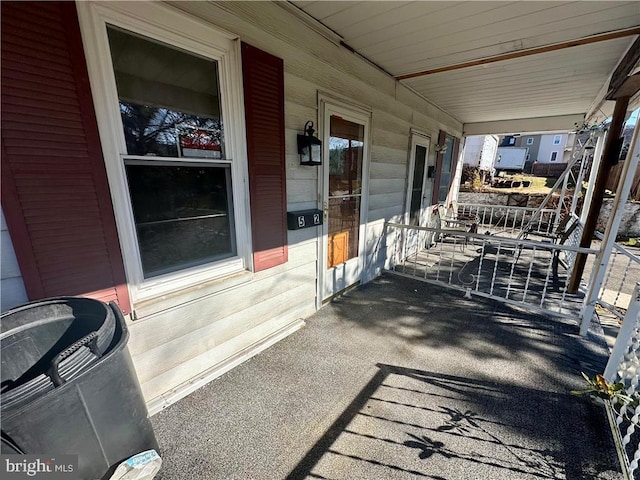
(563, 192)
(578, 188)
(602, 259)
(595, 165)
(454, 189)
(624, 336)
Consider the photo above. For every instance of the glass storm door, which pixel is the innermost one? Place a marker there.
(345, 150)
(420, 186)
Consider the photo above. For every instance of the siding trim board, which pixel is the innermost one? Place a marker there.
(31, 199)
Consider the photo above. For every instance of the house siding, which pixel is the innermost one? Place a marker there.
(533, 148)
(185, 338)
(547, 146)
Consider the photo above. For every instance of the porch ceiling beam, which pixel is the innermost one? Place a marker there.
(600, 37)
(623, 81)
(522, 125)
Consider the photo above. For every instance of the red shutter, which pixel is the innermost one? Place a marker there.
(263, 77)
(55, 193)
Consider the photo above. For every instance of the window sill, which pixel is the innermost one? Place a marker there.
(153, 304)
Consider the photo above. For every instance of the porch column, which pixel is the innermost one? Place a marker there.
(602, 260)
(609, 159)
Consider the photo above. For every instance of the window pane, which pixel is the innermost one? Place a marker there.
(169, 100)
(344, 229)
(346, 153)
(346, 143)
(182, 215)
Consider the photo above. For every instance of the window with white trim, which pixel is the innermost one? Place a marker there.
(530, 141)
(178, 176)
(557, 139)
(554, 157)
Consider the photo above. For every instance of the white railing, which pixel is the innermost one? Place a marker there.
(507, 219)
(622, 271)
(623, 368)
(520, 272)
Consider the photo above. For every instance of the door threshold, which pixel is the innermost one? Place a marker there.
(341, 292)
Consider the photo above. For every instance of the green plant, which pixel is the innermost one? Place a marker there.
(600, 388)
(476, 182)
(631, 242)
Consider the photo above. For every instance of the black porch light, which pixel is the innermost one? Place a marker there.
(309, 147)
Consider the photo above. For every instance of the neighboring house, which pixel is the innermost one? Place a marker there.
(548, 148)
(547, 154)
(480, 151)
(150, 158)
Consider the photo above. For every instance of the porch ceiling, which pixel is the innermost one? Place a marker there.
(406, 38)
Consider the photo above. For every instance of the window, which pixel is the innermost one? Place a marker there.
(177, 173)
(554, 157)
(168, 95)
(557, 139)
(529, 140)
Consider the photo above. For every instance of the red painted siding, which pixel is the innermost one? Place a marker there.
(54, 185)
(263, 78)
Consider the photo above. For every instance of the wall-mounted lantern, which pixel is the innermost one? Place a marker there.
(309, 147)
(440, 148)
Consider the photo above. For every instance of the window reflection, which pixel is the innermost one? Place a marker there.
(169, 100)
(168, 133)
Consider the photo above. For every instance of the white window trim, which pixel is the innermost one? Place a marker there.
(551, 159)
(559, 138)
(529, 140)
(172, 27)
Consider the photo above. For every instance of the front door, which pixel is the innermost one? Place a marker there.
(345, 152)
(420, 188)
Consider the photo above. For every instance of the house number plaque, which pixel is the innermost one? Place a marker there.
(304, 219)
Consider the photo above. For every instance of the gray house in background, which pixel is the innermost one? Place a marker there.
(547, 148)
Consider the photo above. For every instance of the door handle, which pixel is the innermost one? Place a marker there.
(325, 210)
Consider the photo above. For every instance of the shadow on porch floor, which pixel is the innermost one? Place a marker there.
(400, 379)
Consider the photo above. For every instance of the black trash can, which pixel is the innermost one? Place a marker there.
(69, 386)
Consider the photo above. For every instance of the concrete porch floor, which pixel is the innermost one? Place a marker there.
(400, 379)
